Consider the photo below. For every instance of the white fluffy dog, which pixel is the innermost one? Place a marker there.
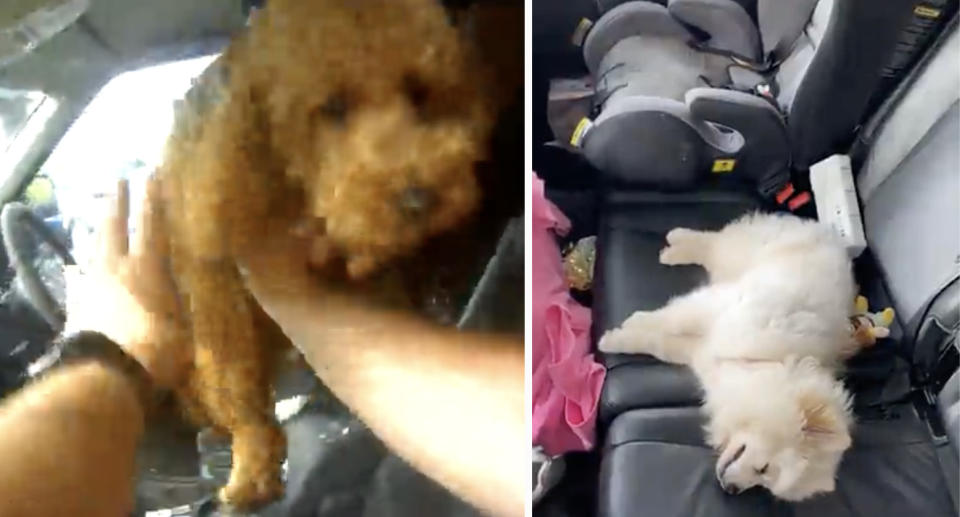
(766, 339)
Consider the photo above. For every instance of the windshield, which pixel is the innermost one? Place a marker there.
(120, 134)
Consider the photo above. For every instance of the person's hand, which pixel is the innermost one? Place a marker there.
(128, 293)
(311, 306)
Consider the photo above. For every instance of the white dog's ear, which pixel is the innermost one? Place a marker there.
(824, 424)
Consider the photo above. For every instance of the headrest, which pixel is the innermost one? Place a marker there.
(781, 23)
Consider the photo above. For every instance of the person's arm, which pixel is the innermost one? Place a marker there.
(68, 444)
(68, 439)
(449, 402)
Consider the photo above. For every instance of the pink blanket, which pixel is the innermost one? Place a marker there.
(566, 379)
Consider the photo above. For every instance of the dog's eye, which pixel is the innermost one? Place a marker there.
(762, 470)
(417, 93)
(334, 109)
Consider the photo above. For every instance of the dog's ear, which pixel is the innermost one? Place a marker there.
(824, 424)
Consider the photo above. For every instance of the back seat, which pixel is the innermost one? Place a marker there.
(630, 277)
(904, 457)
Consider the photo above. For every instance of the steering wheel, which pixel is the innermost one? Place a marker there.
(18, 224)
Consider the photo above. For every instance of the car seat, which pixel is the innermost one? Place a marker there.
(701, 86)
(904, 459)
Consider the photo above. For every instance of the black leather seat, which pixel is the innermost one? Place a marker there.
(630, 277)
(655, 463)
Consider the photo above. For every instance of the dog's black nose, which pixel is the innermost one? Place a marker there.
(416, 201)
(730, 488)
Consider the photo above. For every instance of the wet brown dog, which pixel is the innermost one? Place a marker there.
(358, 121)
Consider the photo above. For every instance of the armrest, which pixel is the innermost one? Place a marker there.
(728, 24)
(625, 20)
(765, 156)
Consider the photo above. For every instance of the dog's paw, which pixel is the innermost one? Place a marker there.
(256, 476)
(254, 492)
(678, 235)
(614, 342)
(629, 338)
(678, 249)
(669, 256)
(634, 336)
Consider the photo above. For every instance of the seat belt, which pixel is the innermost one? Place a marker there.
(787, 42)
(780, 51)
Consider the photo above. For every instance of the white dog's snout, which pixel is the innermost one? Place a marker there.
(728, 458)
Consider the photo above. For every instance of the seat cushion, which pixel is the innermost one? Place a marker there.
(655, 463)
(629, 277)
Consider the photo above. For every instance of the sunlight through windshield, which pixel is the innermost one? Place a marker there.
(120, 134)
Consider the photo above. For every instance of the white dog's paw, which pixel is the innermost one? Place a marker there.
(669, 256)
(679, 235)
(630, 338)
(614, 341)
(678, 255)
(679, 249)
(638, 322)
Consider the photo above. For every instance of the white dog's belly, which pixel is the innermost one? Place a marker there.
(771, 319)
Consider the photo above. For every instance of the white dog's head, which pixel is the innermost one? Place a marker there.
(788, 436)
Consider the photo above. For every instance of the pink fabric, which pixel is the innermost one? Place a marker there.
(566, 379)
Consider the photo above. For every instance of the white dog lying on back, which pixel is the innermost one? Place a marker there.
(766, 339)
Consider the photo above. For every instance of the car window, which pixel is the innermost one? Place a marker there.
(120, 134)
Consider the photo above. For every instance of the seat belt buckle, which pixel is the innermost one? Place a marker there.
(771, 183)
(794, 200)
(799, 200)
(784, 194)
(764, 90)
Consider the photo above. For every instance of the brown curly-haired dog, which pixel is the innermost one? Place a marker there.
(359, 121)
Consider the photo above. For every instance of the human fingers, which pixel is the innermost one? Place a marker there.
(112, 236)
(152, 239)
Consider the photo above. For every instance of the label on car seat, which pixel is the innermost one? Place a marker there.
(580, 131)
(926, 12)
(724, 165)
(580, 33)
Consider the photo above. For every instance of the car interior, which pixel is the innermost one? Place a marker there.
(651, 115)
(87, 97)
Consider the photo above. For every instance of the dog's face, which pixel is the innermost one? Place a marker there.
(794, 457)
(374, 107)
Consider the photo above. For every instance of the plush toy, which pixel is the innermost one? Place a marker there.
(578, 261)
(868, 327)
